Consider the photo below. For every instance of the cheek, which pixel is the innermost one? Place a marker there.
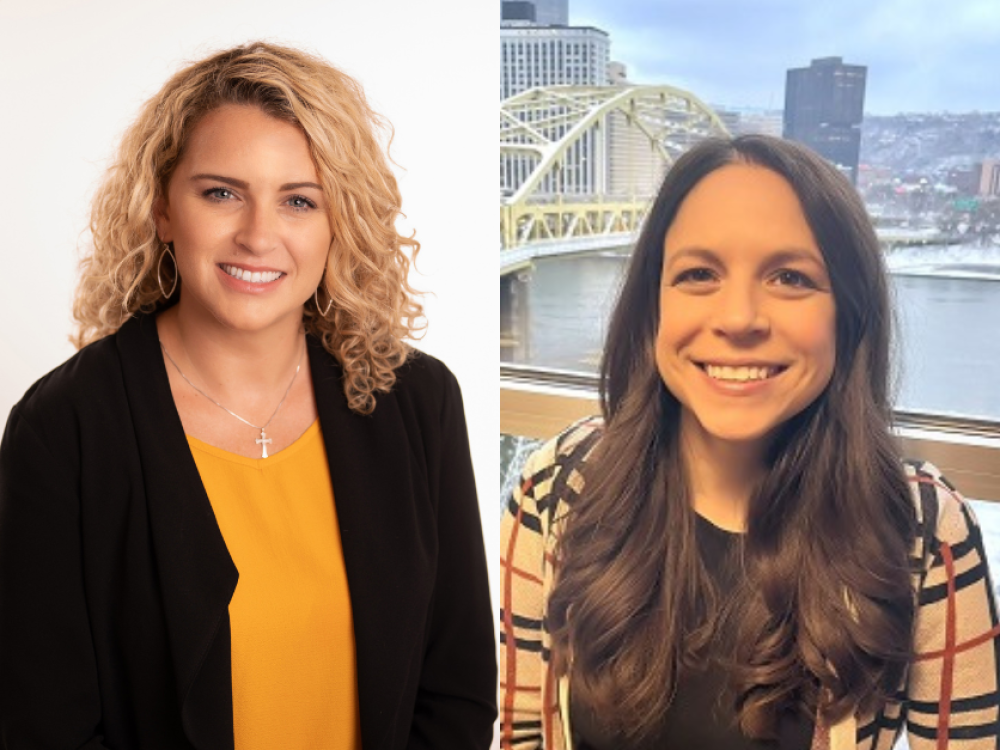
(314, 266)
(815, 334)
(681, 320)
(195, 229)
(672, 335)
(316, 245)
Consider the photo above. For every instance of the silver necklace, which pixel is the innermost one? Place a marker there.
(263, 441)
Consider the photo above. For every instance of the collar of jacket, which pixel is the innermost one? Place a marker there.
(198, 576)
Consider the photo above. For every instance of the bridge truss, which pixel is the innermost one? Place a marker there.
(580, 161)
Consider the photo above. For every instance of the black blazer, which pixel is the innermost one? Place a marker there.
(115, 580)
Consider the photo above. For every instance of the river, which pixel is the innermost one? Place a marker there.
(947, 304)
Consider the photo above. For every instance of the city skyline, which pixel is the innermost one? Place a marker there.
(731, 53)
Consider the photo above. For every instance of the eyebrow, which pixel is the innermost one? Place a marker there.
(785, 255)
(692, 252)
(244, 185)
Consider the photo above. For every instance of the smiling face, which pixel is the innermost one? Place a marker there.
(248, 220)
(746, 338)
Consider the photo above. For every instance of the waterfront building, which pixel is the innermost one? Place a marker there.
(760, 122)
(964, 178)
(824, 107)
(533, 55)
(543, 12)
(617, 74)
(731, 118)
(989, 178)
(517, 10)
(634, 168)
(750, 120)
(552, 12)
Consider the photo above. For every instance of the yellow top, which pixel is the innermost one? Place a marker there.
(294, 665)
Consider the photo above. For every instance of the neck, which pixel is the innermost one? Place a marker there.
(723, 475)
(232, 363)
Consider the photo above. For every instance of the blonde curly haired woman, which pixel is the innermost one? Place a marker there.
(243, 514)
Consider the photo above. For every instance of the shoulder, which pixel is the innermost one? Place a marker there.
(554, 471)
(425, 404)
(425, 393)
(82, 380)
(93, 378)
(955, 630)
(423, 384)
(943, 515)
(567, 449)
(424, 374)
(420, 377)
(54, 415)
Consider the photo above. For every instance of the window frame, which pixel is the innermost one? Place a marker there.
(538, 403)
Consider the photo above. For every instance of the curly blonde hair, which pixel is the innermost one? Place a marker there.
(373, 305)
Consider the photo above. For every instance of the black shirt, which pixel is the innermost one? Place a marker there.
(703, 712)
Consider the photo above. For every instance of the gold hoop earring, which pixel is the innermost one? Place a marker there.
(329, 304)
(159, 275)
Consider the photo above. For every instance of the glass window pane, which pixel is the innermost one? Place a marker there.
(514, 451)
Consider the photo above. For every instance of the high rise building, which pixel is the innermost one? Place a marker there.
(750, 120)
(517, 10)
(533, 55)
(989, 177)
(552, 12)
(543, 12)
(824, 107)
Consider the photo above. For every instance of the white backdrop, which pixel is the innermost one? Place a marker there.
(74, 72)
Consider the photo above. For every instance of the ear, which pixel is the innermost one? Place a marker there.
(161, 217)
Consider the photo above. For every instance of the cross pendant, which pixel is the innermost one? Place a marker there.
(262, 441)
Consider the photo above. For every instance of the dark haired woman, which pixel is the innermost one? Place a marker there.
(735, 556)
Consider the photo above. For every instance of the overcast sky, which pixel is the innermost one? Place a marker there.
(922, 55)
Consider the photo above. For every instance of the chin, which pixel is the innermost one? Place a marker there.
(741, 436)
(739, 431)
(251, 320)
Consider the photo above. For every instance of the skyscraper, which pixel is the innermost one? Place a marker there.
(546, 51)
(552, 12)
(517, 10)
(824, 106)
(533, 55)
(542, 13)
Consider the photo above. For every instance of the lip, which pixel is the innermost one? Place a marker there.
(248, 287)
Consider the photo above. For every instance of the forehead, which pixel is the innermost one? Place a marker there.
(235, 132)
(741, 208)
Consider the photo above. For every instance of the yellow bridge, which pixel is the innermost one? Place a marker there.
(584, 161)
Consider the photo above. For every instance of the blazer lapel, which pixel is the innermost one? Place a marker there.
(197, 574)
(388, 532)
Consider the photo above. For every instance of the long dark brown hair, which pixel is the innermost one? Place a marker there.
(822, 617)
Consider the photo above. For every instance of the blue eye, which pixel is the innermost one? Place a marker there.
(301, 203)
(218, 194)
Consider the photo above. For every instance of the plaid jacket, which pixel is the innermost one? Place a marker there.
(950, 699)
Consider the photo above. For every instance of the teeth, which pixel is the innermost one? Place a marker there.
(739, 374)
(257, 277)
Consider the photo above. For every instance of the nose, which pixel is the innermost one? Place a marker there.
(257, 231)
(741, 312)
